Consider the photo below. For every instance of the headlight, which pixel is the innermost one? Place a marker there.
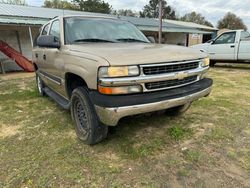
(120, 90)
(205, 62)
(123, 71)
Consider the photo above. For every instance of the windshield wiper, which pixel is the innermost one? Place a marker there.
(93, 40)
(131, 40)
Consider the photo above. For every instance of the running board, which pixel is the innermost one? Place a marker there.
(65, 104)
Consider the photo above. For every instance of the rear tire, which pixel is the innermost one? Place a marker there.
(40, 85)
(87, 125)
(178, 110)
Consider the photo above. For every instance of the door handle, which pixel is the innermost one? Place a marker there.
(44, 57)
(232, 46)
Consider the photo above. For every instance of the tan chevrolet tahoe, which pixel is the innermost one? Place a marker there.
(104, 69)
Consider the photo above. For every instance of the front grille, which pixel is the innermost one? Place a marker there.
(170, 83)
(161, 69)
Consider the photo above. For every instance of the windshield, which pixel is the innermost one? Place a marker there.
(79, 29)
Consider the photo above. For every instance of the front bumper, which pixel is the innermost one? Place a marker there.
(110, 109)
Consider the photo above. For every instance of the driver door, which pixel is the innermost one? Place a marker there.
(53, 60)
(223, 48)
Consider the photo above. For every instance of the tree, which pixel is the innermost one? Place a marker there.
(196, 18)
(231, 21)
(152, 10)
(94, 6)
(125, 12)
(14, 2)
(60, 4)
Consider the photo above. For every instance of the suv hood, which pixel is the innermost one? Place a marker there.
(137, 53)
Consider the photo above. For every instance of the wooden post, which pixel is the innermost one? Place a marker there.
(19, 43)
(160, 22)
(31, 37)
(2, 60)
(187, 39)
(2, 68)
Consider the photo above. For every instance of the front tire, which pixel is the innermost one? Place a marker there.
(178, 110)
(40, 85)
(87, 125)
(212, 63)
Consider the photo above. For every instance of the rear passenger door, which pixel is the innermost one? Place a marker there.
(223, 48)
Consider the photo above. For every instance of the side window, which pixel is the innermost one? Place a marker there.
(55, 29)
(245, 35)
(226, 38)
(45, 30)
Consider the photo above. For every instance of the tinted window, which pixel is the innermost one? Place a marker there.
(226, 38)
(45, 30)
(55, 29)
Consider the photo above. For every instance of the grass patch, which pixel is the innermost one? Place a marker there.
(178, 133)
(135, 150)
(244, 158)
(184, 172)
(193, 156)
(220, 133)
(146, 151)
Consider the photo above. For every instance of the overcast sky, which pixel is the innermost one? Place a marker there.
(213, 10)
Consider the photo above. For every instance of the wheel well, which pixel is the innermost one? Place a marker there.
(73, 81)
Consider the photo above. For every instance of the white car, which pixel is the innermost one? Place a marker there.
(231, 46)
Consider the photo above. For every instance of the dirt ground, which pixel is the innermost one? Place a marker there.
(209, 146)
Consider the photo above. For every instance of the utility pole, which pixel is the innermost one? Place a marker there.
(160, 21)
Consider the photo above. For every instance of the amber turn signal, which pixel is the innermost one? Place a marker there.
(119, 90)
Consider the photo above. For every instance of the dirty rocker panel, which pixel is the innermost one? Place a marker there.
(53, 78)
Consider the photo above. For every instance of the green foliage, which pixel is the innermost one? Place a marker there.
(124, 12)
(60, 4)
(196, 18)
(152, 10)
(94, 6)
(14, 2)
(231, 21)
(83, 5)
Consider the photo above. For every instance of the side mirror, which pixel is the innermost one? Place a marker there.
(151, 39)
(48, 41)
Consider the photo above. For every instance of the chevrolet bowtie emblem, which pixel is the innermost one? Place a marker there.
(181, 75)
